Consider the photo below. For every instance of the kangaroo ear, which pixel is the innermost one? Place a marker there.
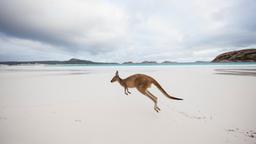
(116, 72)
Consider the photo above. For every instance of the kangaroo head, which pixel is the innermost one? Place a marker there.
(116, 77)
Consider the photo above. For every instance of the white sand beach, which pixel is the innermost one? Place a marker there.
(78, 105)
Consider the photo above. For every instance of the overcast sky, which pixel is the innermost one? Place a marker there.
(125, 30)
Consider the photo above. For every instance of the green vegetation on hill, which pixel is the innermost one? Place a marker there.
(245, 55)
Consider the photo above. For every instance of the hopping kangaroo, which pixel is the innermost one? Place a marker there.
(141, 82)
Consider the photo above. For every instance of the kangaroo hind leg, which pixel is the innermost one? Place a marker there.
(153, 98)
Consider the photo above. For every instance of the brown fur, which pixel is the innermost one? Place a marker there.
(141, 82)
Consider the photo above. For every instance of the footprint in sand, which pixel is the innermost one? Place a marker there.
(78, 121)
(202, 117)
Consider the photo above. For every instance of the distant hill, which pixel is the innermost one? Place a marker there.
(71, 61)
(129, 62)
(246, 55)
(168, 62)
(149, 62)
(201, 62)
(139, 63)
(78, 61)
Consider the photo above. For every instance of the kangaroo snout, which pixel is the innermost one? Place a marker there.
(113, 80)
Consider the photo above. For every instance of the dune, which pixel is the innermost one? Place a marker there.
(78, 104)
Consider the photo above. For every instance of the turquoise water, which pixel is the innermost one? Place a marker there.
(111, 67)
(149, 65)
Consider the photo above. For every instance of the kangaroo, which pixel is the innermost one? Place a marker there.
(141, 82)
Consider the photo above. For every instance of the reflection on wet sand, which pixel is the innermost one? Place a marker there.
(240, 72)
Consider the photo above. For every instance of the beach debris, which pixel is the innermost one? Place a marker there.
(248, 133)
(230, 130)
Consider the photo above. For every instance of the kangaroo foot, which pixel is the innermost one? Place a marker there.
(157, 109)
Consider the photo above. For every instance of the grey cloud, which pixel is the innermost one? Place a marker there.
(16, 21)
(125, 30)
(69, 28)
(237, 28)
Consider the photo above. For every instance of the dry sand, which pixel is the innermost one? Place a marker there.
(79, 105)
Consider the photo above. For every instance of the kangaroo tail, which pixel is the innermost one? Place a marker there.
(164, 92)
